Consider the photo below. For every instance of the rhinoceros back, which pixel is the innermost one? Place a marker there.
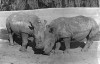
(79, 27)
(79, 23)
(20, 22)
(72, 24)
(82, 26)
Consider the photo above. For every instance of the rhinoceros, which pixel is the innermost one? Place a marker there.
(23, 24)
(77, 28)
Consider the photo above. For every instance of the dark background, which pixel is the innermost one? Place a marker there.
(8, 5)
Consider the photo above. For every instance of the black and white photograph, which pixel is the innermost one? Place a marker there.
(49, 31)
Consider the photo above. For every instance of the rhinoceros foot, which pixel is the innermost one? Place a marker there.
(67, 51)
(15, 43)
(56, 52)
(11, 44)
(84, 50)
(23, 49)
(47, 51)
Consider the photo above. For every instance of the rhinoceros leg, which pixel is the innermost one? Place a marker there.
(67, 45)
(16, 38)
(24, 42)
(11, 39)
(58, 45)
(90, 37)
(87, 46)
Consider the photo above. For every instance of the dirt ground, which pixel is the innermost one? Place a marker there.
(12, 55)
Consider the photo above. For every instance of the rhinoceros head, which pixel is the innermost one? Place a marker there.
(39, 34)
(49, 39)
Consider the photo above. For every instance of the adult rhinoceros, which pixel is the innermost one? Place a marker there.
(23, 24)
(77, 28)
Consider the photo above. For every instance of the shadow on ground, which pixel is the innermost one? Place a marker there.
(12, 55)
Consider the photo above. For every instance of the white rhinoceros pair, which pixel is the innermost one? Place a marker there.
(45, 36)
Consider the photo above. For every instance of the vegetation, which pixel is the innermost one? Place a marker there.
(7, 5)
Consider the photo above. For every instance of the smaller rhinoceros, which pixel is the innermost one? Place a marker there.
(77, 28)
(23, 24)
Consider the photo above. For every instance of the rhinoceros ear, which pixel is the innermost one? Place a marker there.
(32, 28)
(51, 29)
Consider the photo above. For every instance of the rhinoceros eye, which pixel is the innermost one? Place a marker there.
(39, 21)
